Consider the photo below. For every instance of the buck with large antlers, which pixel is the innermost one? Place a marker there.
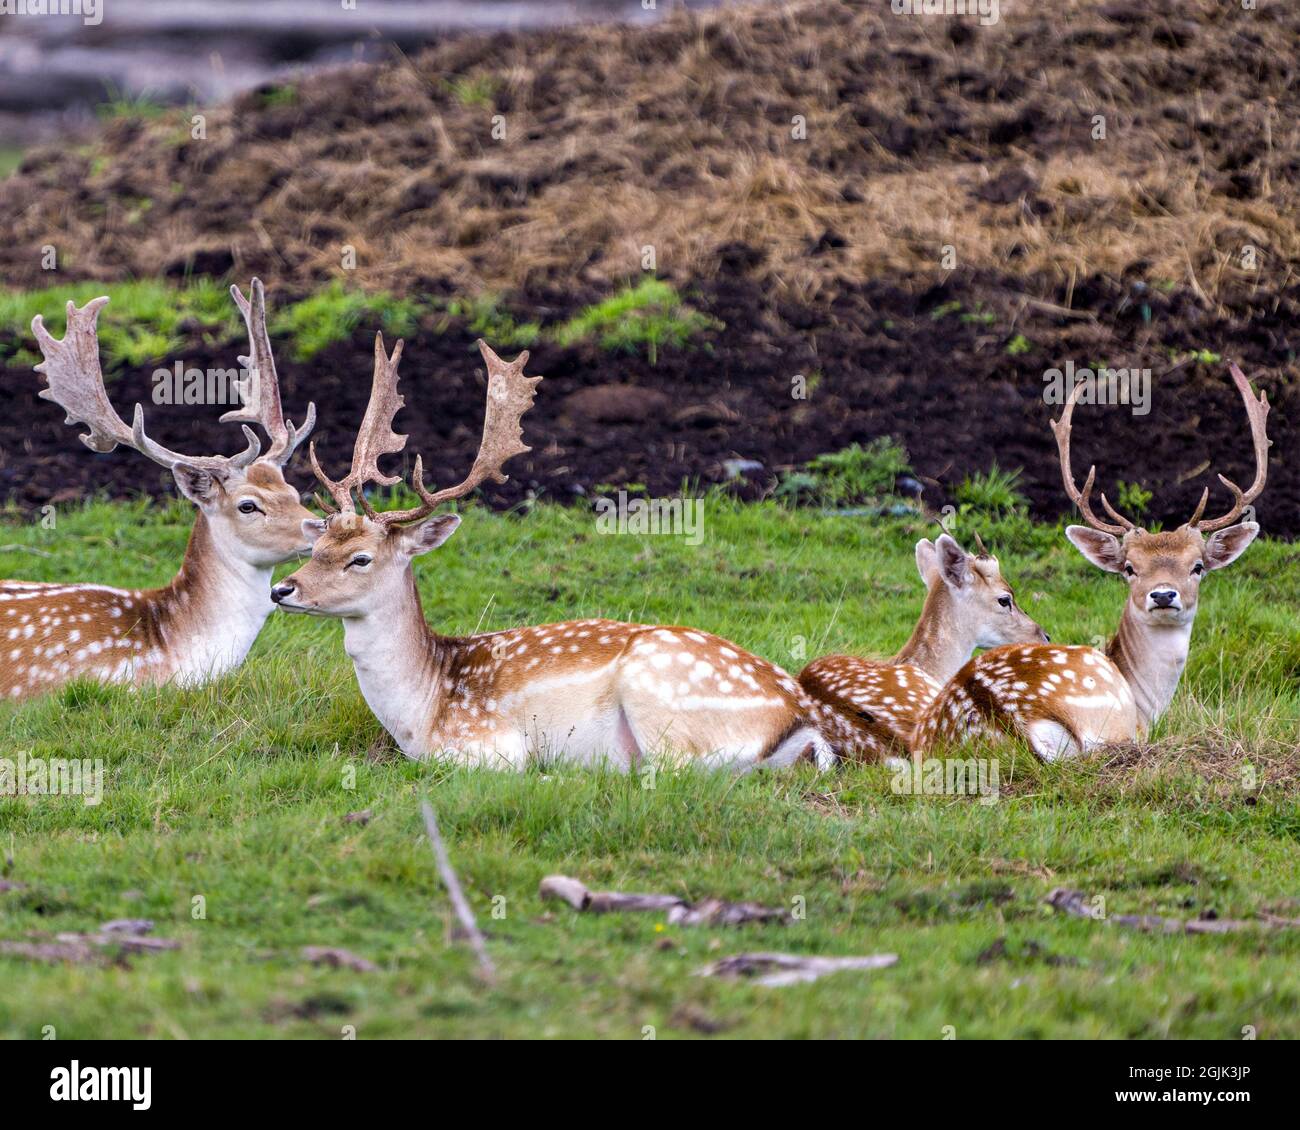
(587, 690)
(869, 708)
(1064, 700)
(203, 623)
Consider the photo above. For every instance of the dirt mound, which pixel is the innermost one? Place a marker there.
(846, 141)
(799, 172)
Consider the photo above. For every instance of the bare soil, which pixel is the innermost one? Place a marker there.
(821, 255)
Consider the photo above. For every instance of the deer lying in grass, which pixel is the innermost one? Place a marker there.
(203, 623)
(584, 691)
(868, 708)
(1064, 700)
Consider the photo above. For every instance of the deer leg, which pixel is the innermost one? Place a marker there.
(1050, 740)
(625, 741)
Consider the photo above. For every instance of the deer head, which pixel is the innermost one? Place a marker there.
(969, 597)
(250, 509)
(360, 562)
(1164, 570)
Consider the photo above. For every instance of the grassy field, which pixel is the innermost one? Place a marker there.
(237, 793)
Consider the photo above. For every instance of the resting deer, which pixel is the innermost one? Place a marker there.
(203, 623)
(1065, 700)
(584, 691)
(869, 708)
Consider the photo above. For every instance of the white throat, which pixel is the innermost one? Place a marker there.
(396, 671)
(216, 617)
(1152, 658)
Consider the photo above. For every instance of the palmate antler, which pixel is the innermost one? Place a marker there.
(509, 395)
(260, 390)
(1256, 412)
(76, 383)
(375, 437)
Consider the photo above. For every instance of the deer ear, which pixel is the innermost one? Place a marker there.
(1102, 549)
(1223, 547)
(927, 560)
(312, 528)
(429, 535)
(199, 486)
(954, 565)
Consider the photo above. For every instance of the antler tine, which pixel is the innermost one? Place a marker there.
(73, 377)
(375, 437)
(1257, 413)
(979, 541)
(509, 395)
(76, 383)
(261, 388)
(1061, 429)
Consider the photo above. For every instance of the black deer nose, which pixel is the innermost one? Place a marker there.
(1163, 598)
(280, 591)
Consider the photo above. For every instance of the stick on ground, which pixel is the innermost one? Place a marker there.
(458, 899)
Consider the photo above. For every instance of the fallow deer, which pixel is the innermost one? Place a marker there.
(202, 623)
(583, 691)
(869, 708)
(1067, 700)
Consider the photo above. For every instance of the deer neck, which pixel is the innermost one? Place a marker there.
(210, 614)
(399, 663)
(1151, 658)
(938, 644)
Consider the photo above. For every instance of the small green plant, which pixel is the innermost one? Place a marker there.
(486, 317)
(334, 312)
(1133, 499)
(855, 474)
(278, 96)
(1019, 345)
(119, 104)
(992, 490)
(941, 312)
(1206, 357)
(10, 158)
(979, 318)
(477, 90)
(649, 315)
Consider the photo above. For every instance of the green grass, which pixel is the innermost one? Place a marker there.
(145, 321)
(478, 90)
(334, 313)
(11, 156)
(854, 474)
(237, 793)
(486, 317)
(118, 104)
(148, 321)
(649, 316)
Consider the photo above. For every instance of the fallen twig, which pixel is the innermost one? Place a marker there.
(458, 899)
(778, 969)
(25, 549)
(1076, 903)
(121, 936)
(706, 912)
(338, 958)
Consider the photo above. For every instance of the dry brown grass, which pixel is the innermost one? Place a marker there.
(680, 137)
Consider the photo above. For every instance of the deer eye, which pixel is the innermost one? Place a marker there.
(361, 560)
(1005, 600)
(249, 507)
(1198, 569)
(1129, 571)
